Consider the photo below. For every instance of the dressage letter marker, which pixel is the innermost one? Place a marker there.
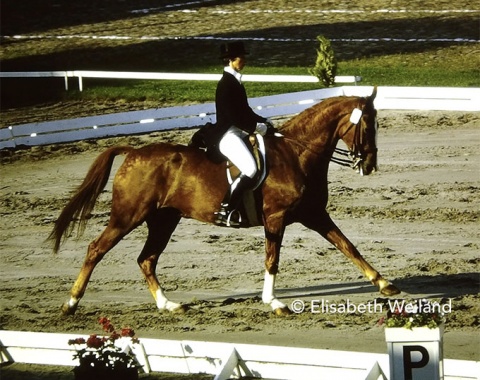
(409, 364)
(415, 354)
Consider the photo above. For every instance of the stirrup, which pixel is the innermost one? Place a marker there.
(224, 218)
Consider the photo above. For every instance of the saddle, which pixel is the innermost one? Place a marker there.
(207, 138)
(249, 212)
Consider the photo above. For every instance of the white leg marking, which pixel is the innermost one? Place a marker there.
(268, 296)
(72, 302)
(163, 303)
(268, 287)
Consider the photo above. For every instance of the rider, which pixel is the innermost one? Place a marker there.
(237, 122)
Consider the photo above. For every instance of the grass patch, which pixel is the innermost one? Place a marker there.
(374, 71)
(178, 92)
(397, 74)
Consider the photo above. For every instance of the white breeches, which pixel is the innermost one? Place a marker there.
(233, 147)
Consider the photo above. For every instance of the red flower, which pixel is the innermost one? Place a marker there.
(103, 320)
(114, 336)
(106, 324)
(94, 341)
(126, 331)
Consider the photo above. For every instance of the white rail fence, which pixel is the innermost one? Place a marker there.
(80, 74)
(223, 360)
(146, 121)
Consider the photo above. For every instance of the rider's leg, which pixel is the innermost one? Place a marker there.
(234, 195)
(233, 147)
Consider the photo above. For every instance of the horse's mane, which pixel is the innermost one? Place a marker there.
(320, 111)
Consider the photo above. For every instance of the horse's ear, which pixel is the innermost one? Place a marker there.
(371, 98)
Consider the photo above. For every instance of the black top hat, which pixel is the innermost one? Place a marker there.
(232, 50)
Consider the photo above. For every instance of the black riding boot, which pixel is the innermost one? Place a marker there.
(232, 200)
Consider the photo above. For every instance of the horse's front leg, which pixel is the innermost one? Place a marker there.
(274, 229)
(328, 229)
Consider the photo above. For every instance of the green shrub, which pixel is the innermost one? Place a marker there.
(325, 67)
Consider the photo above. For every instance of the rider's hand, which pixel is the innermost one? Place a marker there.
(266, 128)
(262, 129)
(270, 128)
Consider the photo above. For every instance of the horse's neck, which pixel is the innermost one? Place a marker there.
(315, 129)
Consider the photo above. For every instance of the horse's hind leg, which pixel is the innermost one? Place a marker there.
(160, 228)
(327, 228)
(96, 251)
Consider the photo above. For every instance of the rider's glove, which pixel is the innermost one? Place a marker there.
(266, 128)
(262, 129)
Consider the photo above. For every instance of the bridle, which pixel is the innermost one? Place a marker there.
(356, 155)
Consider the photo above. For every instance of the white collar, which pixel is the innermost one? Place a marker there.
(236, 74)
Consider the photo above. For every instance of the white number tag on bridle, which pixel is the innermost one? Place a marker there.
(355, 116)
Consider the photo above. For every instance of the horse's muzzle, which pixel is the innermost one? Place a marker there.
(369, 164)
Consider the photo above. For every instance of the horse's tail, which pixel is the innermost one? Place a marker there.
(83, 201)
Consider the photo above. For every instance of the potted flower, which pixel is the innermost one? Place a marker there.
(101, 358)
(419, 313)
(414, 336)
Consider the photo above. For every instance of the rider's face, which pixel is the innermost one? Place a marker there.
(238, 63)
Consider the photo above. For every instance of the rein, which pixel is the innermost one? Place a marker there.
(354, 155)
(352, 161)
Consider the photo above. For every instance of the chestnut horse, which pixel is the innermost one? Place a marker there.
(161, 183)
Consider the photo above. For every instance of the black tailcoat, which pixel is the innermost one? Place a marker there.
(232, 106)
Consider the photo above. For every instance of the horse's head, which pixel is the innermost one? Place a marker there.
(360, 135)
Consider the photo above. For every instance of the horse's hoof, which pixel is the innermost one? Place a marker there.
(68, 310)
(282, 311)
(390, 290)
(181, 309)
